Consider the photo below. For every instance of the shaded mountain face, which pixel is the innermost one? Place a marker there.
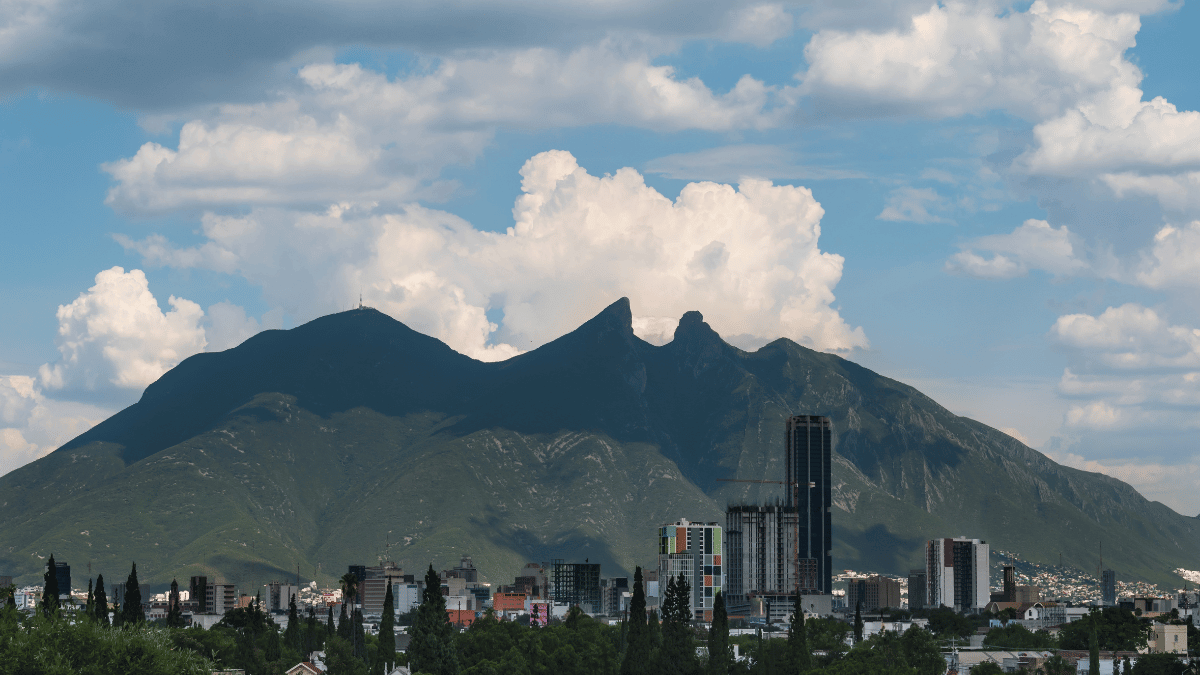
(353, 437)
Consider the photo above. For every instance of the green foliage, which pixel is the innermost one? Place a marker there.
(1016, 636)
(946, 623)
(827, 635)
(293, 634)
(358, 638)
(858, 623)
(799, 659)
(432, 648)
(677, 655)
(340, 658)
(55, 647)
(921, 651)
(1116, 630)
(578, 646)
(719, 655)
(1158, 664)
(986, 668)
(387, 631)
(174, 611)
(50, 588)
(638, 642)
(131, 606)
(1057, 665)
(101, 601)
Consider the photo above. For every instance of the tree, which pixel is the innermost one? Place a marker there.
(50, 588)
(1093, 650)
(677, 654)
(718, 638)
(101, 601)
(349, 583)
(986, 668)
(858, 623)
(343, 627)
(359, 638)
(1116, 629)
(1158, 664)
(88, 608)
(637, 647)
(131, 608)
(1057, 665)
(329, 629)
(921, 651)
(387, 631)
(432, 648)
(340, 659)
(291, 634)
(799, 658)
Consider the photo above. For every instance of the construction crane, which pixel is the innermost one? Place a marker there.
(796, 501)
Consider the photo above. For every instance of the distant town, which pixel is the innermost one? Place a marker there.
(767, 568)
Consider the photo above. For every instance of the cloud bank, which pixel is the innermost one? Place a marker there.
(746, 256)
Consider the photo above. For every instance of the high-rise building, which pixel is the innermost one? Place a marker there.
(809, 460)
(62, 574)
(874, 593)
(278, 596)
(958, 573)
(695, 551)
(917, 583)
(220, 598)
(199, 593)
(1108, 587)
(760, 550)
(576, 584)
(374, 590)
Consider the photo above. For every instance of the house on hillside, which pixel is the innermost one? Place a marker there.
(305, 668)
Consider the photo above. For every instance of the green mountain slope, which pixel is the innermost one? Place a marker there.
(312, 447)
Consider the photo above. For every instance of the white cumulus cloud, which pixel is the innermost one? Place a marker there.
(748, 257)
(958, 58)
(115, 336)
(1035, 244)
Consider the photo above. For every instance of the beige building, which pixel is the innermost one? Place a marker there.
(1166, 639)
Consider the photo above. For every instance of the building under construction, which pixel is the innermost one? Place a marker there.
(774, 551)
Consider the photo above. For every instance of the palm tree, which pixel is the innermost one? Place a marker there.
(349, 582)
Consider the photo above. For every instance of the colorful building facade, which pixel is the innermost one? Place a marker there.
(694, 550)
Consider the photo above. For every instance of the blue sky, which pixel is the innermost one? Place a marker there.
(996, 203)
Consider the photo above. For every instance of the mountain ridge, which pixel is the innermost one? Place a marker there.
(328, 439)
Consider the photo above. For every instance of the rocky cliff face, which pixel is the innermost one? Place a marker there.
(315, 446)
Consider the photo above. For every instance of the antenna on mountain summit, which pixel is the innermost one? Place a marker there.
(360, 298)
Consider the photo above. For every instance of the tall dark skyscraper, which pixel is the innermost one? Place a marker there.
(809, 467)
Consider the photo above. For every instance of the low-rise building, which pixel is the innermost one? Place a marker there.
(1166, 639)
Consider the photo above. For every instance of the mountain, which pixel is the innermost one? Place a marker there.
(312, 447)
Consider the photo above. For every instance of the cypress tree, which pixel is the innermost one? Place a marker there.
(1093, 649)
(432, 648)
(291, 634)
(858, 623)
(101, 601)
(50, 588)
(677, 654)
(653, 631)
(329, 622)
(387, 631)
(343, 628)
(799, 658)
(131, 608)
(360, 638)
(718, 638)
(637, 647)
(88, 608)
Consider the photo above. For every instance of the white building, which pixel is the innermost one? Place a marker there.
(957, 574)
